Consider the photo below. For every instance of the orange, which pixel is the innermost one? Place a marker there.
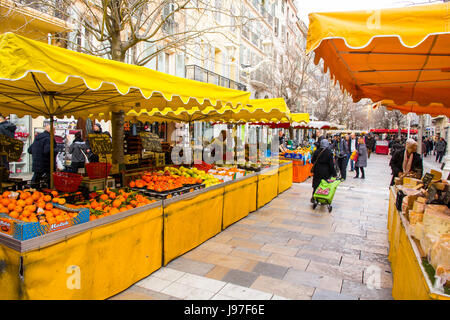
(104, 197)
(116, 203)
(14, 214)
(41, 204)
(21, 203)
(11, 206)
(114, 211)
(92, 218)
(54, 193)
(33, 219)
(112, 195)
(47, 198)
(5, 202)
(26, 213)
(29, 201)
(6, 194)
(36, 195)
(132, 184)
(31, 208)
(123, 209)
(18, 209)
(61, 201)
(3, 209)
(48, 206)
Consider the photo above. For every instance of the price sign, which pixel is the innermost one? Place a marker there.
(427, 178)
(150, 142)
(100, 143)
(11, 148)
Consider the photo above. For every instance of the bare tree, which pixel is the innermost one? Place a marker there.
(140, 30)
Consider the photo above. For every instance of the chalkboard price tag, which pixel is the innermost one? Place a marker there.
(100, 143)
(11, 148)
(427, 178)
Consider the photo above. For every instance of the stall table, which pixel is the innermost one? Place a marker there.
(410, 280)
(93, 260)
(267, 186)
(285, 176)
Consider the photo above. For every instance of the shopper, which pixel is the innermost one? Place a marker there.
(370, 145)
(40, 155)
(406, 160)
(79, 150)
(323, 164)
(341, 154)
(441, 146)
(8, 129)
(353, 145)
(361, 162)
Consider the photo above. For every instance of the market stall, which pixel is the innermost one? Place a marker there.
(418, 224)
(393, 61)
(41, 233)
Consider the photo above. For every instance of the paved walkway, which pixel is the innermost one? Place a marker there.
(286, 250)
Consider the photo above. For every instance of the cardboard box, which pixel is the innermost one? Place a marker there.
(27, 230)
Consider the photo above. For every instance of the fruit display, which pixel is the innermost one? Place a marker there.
(227, 174)
(304, 154)
(34, 206)
(172, 178)
(111, 202)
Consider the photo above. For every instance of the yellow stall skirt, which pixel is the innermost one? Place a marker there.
(267, 187)
(410, 281)
(239, 200)
(191, 220)
(285, 175)
(94, 264)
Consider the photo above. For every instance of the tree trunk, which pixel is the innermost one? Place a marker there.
(117, 118)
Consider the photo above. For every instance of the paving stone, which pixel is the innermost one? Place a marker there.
(226, 261)
(321, 294)
(349, 272)
(250, 254)
(186, 292)
(154, 283)
(318, 256)
(284, 250)
(241, 278)
(199, 282)
(223, 248)
(363, 291)
(218, 272)
(237, 243)
(243, 293)
(283, 288)
(270, 270)
(375, 257)
(168, 273)
(191, 266)
(313, 280)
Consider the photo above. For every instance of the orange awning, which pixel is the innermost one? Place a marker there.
(401, 55)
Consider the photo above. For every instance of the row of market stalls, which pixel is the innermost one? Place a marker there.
(399, 58)
(60, 244)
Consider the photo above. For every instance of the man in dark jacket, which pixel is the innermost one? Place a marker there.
(399, 165)
(40, 153)
(370, 144)
(322, 160)
(8, 129)
(341, 152)
(441, 146)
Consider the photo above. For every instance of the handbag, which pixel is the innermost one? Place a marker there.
(86, 159)
(354, 156)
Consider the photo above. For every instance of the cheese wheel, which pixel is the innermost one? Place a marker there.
(436, 219)
(440, 253)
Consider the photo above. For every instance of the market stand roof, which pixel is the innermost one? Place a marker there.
(261, 110)
(317, 125)
(32, 73)
(400, 54)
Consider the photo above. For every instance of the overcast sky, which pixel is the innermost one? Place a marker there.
(307, 6)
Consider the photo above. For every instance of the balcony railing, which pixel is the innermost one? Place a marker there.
(198, 73)
(55, 8)
(262, 10)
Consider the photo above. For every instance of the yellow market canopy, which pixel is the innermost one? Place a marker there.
(400, 54)
(257, 110)
(40, 79)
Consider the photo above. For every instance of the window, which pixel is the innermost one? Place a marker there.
(276, 26)
(166, 62)
(282, 6)
(180, 65)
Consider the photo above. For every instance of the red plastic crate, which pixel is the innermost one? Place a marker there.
(98, 170)
(66, 181)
